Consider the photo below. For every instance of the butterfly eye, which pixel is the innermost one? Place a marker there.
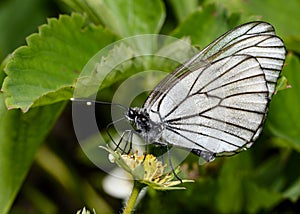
(131, 114)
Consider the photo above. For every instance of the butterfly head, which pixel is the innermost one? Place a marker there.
(142, 124)
(139, 119)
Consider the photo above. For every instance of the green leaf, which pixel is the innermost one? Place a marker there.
(239, 191)
(21, 134)
(293, 192)
(89, 7)
(17, 21)
(259, 198)
(230, 197)
(203, 26)
(282, 84)
(283, 118)
(103, 70)
(121, 60)
(2, 66)
(270, 172)
(133, 17)
(125, 18)
(44, 71)
(293, 43)
(183, 8)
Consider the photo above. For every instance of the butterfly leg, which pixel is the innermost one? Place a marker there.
(171, 165)
(161, 145)
(117, 145)
(128, 141)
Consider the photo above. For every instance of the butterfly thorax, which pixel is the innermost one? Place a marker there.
(140, 120)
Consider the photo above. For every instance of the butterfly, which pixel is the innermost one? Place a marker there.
(216, 103)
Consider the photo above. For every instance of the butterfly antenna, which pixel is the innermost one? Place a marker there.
(89, 102)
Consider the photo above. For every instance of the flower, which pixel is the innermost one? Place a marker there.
(146, 169)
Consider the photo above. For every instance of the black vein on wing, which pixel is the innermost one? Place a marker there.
(208, 117)
(239, 35)
(199, 91)
(243, 110)
(200, 133)
(207, 126)
(194, 142)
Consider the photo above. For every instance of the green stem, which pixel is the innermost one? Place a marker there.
(137, 187)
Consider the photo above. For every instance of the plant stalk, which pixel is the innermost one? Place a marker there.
(137, 187)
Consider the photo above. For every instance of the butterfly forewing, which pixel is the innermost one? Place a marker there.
(256, 39)
(217, 101)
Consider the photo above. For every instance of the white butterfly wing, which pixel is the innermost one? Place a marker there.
(217, 101)
(221, 114)
(257, 39)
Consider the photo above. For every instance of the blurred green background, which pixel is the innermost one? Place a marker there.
(61, 179)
